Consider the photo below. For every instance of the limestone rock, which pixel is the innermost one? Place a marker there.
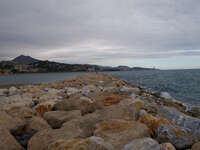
(143, 144)
(91, 143)
(8, 142)
(57, 118)
(120, 132)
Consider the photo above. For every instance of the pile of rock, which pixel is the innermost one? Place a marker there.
(94, 112)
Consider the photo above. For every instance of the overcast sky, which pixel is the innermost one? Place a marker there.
(160, 33)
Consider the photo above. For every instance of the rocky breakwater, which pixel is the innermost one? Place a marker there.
(94, 112)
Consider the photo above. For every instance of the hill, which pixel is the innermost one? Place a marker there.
(24, 60)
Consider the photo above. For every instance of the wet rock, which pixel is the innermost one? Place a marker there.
(8, 142)
(143, 144)
(168, 146)
(91, 143)
(196, 146)
(120, 132)
(56, 118)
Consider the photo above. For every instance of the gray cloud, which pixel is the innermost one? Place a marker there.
(92, 31)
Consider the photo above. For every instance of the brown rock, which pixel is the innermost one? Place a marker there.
(44, 107)
(18, 111)
(168, 146)
(196, 146)
(8, 142)
(36, 124)
(14, 125)
(80, 127)
(72, 103)
(92, 143)
(120, 132)
(152, 122)
(112, 100)
(127, 109)
(57, 118)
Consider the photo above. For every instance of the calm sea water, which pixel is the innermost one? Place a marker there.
(181, 84)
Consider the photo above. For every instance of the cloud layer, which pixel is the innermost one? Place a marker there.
(99, 31)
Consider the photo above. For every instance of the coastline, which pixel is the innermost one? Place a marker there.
(103, 100)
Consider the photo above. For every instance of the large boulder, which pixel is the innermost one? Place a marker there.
(80, 127)
(33, 125)
(56, 118)
(127, 109)
(8, 142)
(174, 127)
(183, 131)
(91, 143)
(12, 90)
(120, 132)
(72, 103)
(36, 124)
(143, 144)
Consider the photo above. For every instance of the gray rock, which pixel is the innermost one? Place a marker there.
(183, 131)
(143, 144)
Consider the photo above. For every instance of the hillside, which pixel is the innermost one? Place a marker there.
(27, 64)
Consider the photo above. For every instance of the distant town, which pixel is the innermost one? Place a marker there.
(27, 64)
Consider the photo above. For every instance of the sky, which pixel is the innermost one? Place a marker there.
(148, 33)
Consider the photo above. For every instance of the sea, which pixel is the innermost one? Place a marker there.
(182, 85)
